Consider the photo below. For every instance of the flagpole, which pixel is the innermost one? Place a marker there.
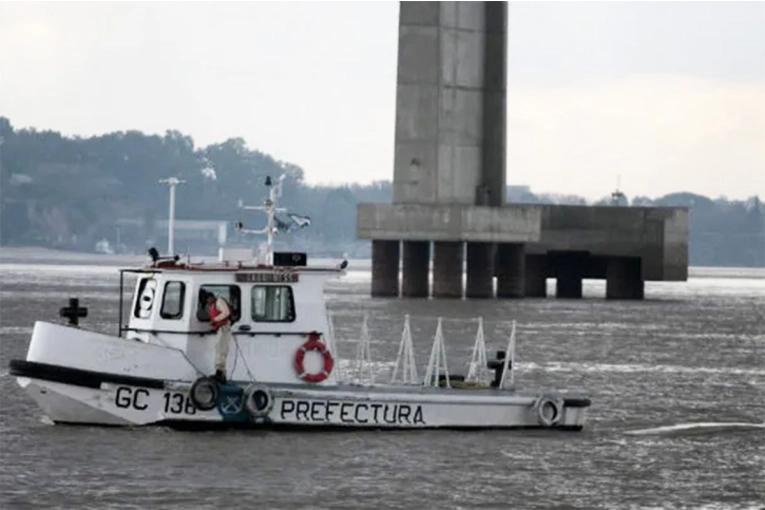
(172, 182)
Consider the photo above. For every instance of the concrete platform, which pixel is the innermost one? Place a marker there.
(525, 244)
(436, 222)
(658, 236)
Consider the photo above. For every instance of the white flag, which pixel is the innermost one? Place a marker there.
(300, 221)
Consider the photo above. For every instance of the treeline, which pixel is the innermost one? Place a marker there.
(70, 192)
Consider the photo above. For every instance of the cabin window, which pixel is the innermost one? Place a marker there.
(147, 289)
(230, 293)
(172, 300)
(272, 303)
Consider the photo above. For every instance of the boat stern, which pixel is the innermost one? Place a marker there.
(574, 415)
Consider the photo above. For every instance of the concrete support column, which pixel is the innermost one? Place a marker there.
(569, 284)
(451, 112)
(447, 269)
(511, 270)
(385, 263)
(480, 270)
(624, 279)
(569, 270)
(536, 276)
(494, 132)
(415, 269)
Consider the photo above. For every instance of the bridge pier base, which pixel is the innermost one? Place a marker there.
(535, 280)
(480, 270)
(511, 270)
(416, 266)
(624, 279)
(385, 255)
(447, 269)
(569, 284)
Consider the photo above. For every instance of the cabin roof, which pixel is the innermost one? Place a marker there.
(199, 268)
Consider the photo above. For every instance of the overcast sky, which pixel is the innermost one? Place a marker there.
(668, 95)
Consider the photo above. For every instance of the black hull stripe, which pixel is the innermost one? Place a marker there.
(78, 376)
(202, 426)
(576, 402)
(91, 379)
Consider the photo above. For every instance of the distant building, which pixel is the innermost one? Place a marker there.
(198, 236)
(518, 188)
(194, 230)
(519, 193)
(19, 179)
(619, 199)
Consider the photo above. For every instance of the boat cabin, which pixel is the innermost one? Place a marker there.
(274, 309)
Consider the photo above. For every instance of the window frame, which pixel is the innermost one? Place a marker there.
(291, 304)
(139, 292)
(181, 301)
(236, 311)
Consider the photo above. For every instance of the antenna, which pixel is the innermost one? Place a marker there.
(270, 208)
(172, 182)
(617, 195)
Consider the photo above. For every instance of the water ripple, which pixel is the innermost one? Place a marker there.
(690, 354)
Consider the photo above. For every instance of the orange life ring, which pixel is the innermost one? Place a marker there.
(313, 344)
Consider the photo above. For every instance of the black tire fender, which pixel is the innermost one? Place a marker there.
(204, 393)
(258, 400)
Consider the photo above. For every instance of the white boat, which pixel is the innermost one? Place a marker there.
(282, 365)
(103, 246)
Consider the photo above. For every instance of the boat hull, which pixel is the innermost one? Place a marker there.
(82, 377)
(349, 407)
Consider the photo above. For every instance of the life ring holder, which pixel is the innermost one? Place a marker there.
(258, 400)
(543, 405)
(313, 344)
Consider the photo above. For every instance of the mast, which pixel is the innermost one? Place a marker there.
(172, 182)
(270, 207)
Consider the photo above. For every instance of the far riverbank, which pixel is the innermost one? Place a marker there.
(34, 255)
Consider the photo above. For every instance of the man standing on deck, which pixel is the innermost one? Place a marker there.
(220, 320)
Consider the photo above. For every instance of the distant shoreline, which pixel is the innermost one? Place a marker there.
(47, 256)
(34, 255)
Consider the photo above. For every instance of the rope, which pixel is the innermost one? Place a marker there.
(236, 358)
(244, 360)
(199, 372)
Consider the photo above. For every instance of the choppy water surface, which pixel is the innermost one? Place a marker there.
(692, 353)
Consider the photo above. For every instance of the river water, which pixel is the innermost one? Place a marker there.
(692, 353)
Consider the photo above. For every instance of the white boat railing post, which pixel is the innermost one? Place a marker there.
(478, 370)
(413, 379)
(432, 360)
(172, 182)
(437, 356)
(509, 365)
(364, 355)
(443, 355)
(405, 358)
